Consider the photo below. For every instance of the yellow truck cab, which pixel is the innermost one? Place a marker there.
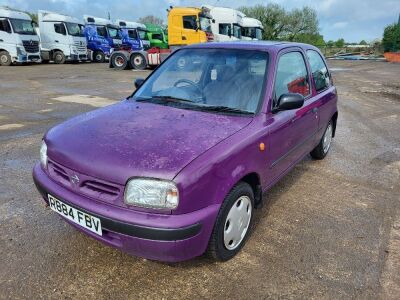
(189, 25)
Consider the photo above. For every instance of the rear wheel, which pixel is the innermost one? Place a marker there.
(99, 57)
(58, 57)
(119, 61)
(5, 58)
(233, 222)
(138, 61)
(324, 145)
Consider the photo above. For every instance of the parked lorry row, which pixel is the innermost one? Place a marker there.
(190, 25)
(126, 44)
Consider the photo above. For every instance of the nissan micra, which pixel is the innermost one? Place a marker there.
(178, 168)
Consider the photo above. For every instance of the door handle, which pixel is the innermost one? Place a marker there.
(56, 41)
(183, 38)
(1, 40)
(314, 110)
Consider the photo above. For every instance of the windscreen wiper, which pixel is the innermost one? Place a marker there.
(164, 99)
(225, 109)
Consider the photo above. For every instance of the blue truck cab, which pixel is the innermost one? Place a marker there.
(134, 34)
(103, 37)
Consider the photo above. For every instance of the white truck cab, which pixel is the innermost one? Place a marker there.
(135, 32)
(252, 29)
(62, 38)
(19, 42)
(226, 23)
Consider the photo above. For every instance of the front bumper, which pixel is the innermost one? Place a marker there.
(155, 236)
(77, 57)
(25, 58)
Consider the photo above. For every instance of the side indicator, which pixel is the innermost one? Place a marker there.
(262, 146)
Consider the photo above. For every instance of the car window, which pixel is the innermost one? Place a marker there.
(157, 36)
(319, 70)
(224, 29)
(132, 34)
(59, 28)
(189, 22)
(101, 31)
(291, 76)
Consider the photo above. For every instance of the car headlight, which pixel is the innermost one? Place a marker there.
(151, 193)
(43, 155)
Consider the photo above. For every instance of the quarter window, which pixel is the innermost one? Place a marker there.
(319, 70)
(291, 76)
(190, 22)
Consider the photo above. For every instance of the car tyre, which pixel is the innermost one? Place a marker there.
(59, 57)
(5, 58)
(324, 145)
(233, 223)
(119, 61)
(99, 57)
(138, 61)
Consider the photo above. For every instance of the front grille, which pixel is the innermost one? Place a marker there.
(86, 185)
(81, 46)
(31, 46)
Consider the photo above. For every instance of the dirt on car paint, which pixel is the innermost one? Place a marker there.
(328, 229)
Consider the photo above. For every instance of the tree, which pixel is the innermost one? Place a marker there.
(363, 42)
(340, 43)
(151, 19)
(391, 38)
(300, 25)
(330, 44)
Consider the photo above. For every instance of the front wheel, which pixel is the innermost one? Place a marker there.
(324, 145)
(59, 57)
(99, 57)
(233, 222)
(5, 58)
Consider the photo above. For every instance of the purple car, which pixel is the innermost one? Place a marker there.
(177, 169)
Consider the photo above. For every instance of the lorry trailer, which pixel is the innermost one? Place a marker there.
(19, 42)
(62, 38)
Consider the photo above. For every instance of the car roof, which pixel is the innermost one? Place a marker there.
(273, 46)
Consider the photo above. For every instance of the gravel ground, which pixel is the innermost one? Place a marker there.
(330, 229)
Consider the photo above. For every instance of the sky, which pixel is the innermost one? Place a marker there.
(353, 20)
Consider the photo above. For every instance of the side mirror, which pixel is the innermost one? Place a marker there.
(138, 82)
(289, 101)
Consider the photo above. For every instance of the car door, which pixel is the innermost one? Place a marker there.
(324, 93)
(189, 30)
(291, 132)
(6, 36)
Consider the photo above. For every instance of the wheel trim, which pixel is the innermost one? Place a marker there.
(237, 222)
(327, 139)
(138, 60)
(4, 59)
(119, 61)
(99, 57)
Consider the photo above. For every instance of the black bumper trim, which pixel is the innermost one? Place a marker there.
(150, 233)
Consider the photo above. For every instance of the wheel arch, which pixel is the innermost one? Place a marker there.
(253, 179)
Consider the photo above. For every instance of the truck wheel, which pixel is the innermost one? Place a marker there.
(99, 57)
(119, 61)
(5, 58)
(138, 61)
(324, 145)
(58, 57)
(233, 223)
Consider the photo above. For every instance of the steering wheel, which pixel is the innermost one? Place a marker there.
(191, 83)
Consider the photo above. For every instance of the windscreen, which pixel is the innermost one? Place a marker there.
(204, 78)
(142, 34)
(74, 29)
(205, 24)
(259, 32)
(237, 31)
(22, 26)
(113, 33)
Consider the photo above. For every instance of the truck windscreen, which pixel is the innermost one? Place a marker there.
(74, 29)
(205, 24)
(22, 26)
(113, 32)
(142, 34)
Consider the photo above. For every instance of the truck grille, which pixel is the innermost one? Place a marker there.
(31, 46)
(81, 46)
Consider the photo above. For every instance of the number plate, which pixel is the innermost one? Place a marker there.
(79, 217)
